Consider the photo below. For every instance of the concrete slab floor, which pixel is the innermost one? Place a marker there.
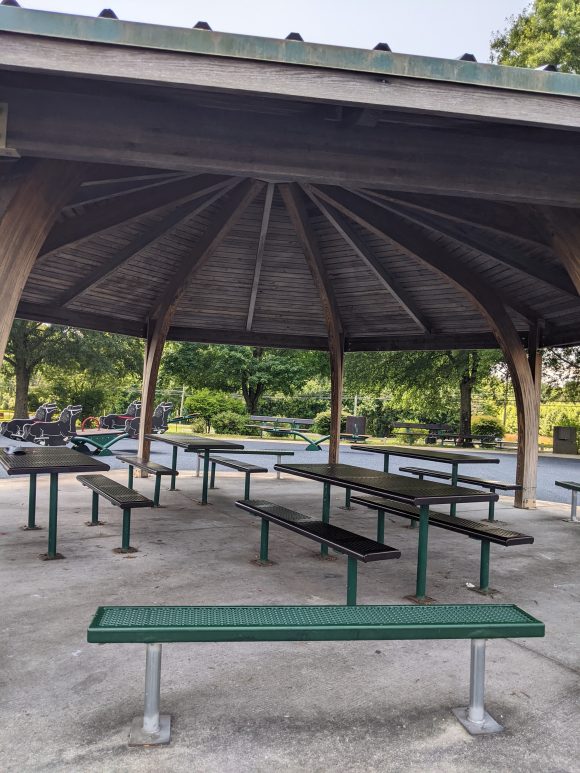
(356, 706)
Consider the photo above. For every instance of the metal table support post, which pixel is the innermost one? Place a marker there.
(347, 499)
(491, 508)
(454, 473)
(264, 536)
(573, 517)
(152, 728)
(53, 518)
(31, 525)
(325, 514)
(95, 510)
(205, 483)
(386, 463)
(279, 458)
(484, 566)
(475, 718)
(198, 467)
(421, 584)
(130, 476)
(351, 582)
(380, 526)
(157, 490)
(173, 468)
(212, 475)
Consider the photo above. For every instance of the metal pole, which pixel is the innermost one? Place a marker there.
(476, 710)
(52, 515)
(573, 517)
(380, 526)
(247, 486)
(279, 458)
(130, 477)
(325, 514)
(212, 476)
(386, 463)
(197, 469)
(491, 508)
(347, 499)
(205, 477)
(173, 468)
(95, 509)
(264, 539)
(152, 688)
(157, 491)
(351, 582)
(126, 539)
(32, 503)
(484, 565)
(454, 471)
(421, 585)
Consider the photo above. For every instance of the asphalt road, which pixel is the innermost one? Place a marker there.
(550, 468)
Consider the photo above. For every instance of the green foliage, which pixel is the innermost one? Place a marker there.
(231, 423)
(208, 403)
(303, 406)
(380, 416)
(322, 422)
(487, 425)
(547, 32)
(558, 415)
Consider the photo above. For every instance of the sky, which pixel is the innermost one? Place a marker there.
(442, 28)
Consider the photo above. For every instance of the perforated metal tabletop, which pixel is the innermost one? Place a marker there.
(448, 457)
(47, 460)
(194, 443)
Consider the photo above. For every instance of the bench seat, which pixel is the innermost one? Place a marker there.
(153, 467)
(120, 496)
(354, 546)
(235, 464)
(155, 625)
(574, 488)
(486, 532)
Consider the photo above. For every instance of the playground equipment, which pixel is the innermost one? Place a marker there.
(14, 428)
(53, 433)
(160, 421)
(97, 441)
(119, 421)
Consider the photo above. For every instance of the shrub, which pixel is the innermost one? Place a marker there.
(208, 403)
(229, 422)
(487, 425)
(322, 422)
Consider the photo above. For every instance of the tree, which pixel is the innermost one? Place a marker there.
(547, 32)
(427, 382)
(253, 371)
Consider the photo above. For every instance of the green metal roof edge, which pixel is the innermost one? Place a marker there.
(196, 41)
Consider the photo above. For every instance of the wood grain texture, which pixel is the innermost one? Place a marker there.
(563, 228)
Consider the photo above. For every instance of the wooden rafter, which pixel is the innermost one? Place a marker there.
(407, 233)
(371, 261)
(140, 242)
(507, 254)
(295, 202)
(260, 254)
(563, 227)
(73, 231)
(90, 194)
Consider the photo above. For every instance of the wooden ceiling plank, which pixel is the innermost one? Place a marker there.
(550, 275)
(563, 227)
(371, 261)
(410, 237)
(145, 202)
(139, 243)
(260, 254)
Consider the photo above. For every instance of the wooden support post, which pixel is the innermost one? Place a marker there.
(27, 219)
(156, 335)
(528, 412)
(336, 353)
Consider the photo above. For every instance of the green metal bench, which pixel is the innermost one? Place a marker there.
(491, 485)
(234, 464)
(574, 488)
(153, 467)
(117, 495)
(354, 546)
(485, 532)
(252, 452)
(154, 625)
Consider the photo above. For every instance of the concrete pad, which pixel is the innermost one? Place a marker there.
(288, 706)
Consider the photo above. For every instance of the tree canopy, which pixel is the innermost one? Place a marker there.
(547, 32)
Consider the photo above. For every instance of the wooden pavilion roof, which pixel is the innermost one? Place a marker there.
(261, 186)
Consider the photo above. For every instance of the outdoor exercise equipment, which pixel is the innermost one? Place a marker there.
(14, 428)
(53, 433)
(118, 421)
(160, 421)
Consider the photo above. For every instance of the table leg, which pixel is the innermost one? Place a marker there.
(347, 499)
(491, 508)
(31, 525)
(157, 491)
(278, 471)
(205, 483)
(264, 540)
(212, 476)
(130, 477)
(325, 514)
(173, 468)
(386, 463)
(351, 582)
(380, 526)
(454, 473)
(484, 566)
(421, 586)
(52, 518)
(573, 518)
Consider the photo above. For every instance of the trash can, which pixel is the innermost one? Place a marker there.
(564, 439)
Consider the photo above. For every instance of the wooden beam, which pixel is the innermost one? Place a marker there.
(93, 127)
(140, 242)
(260, 254)
(371, 261)
(503, 253)
(410, 236)
(527, 453)
(94, 193)
(563, 229)
(154, 343)
(100, 218)
(56, 315)
(247, 338)
(26, 221)
(415, 242)
(231, 209)
(295, 202)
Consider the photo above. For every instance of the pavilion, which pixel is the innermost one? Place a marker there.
(191, 185)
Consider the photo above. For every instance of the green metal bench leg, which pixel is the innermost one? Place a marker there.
(454, 473)
(130, 477)
(52, 518)
(325, 514)
(126, 538)
(351, 582)
(484, 565)
(173, 468)
(421, 585)
(347, 499)
(206, 465)
(491, 508)
(212, 476)
(157, 491)
(380, 526)
(31, 525)
(386, 463)
(247, 486)
(95, 509)
(153, 728)
(264, 536)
